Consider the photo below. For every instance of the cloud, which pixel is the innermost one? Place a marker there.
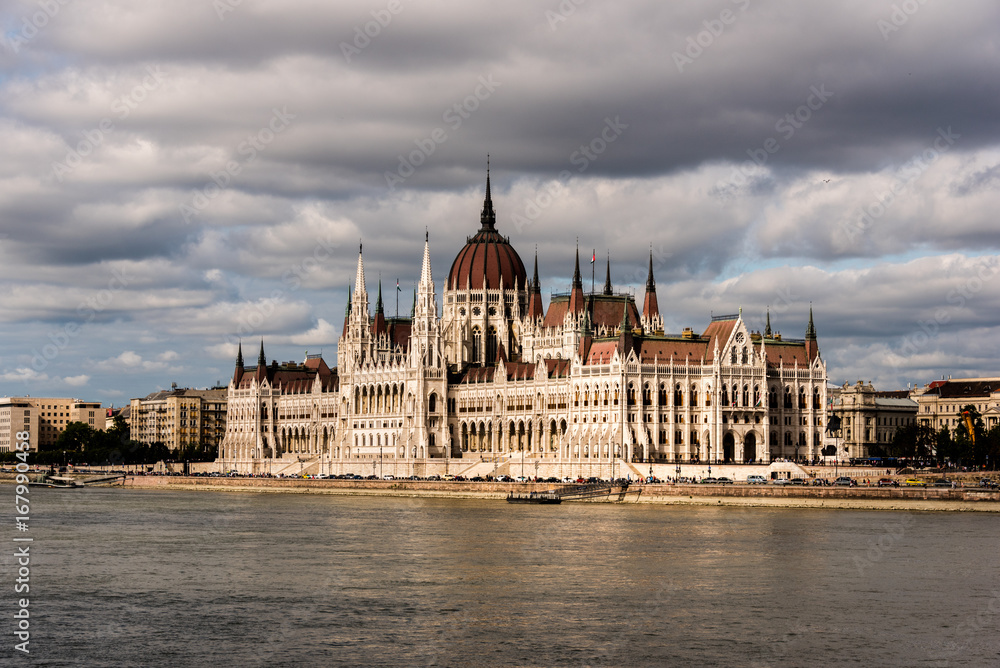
(77, 381)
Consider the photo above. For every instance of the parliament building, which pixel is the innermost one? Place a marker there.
(495, 377)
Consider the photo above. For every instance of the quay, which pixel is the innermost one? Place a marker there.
(963, 499)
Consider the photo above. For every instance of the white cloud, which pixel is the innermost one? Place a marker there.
(77, 381)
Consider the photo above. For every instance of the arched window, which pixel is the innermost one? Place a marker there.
(756, 395)
(736, 395)
(802, 397)
(816, 398)
(746, 395)
(477, 345)
(725, 396)
(743, 357)
(732, 355)
(631, 394)
(772, 397)
(647, 395)
(663, 395)
(432, 402)
(491, 345)
(693, 398)
(788, 396)
(678, 398)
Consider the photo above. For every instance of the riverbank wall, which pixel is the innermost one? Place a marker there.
(886, 498)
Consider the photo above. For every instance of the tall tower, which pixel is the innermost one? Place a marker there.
(355, 343)
(484, 296)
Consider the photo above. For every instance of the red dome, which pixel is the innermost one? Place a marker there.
(488, 258)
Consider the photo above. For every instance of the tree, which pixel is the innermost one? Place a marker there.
(970, 444)
(75, 438)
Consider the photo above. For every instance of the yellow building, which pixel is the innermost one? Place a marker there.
(54, 413)
(179, 418)
(941, 401)
(17, 415)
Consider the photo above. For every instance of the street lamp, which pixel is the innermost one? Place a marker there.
(709, 460)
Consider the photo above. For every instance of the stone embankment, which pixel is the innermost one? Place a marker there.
(886, 498)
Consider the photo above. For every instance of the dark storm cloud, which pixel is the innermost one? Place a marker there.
(730, 138)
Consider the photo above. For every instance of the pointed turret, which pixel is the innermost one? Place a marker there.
(767, 324)
(238, 373)
(812, 347)
(261, 372)
(607, 280)
(650, 307)
(535, 309)
(576, 305)
(378, 324)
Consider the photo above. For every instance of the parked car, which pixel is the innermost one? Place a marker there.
(756, 480)
(844, 481)
(820, 482)
(448, 476)
(944, 482)
(887, 482)
(780, 481)
(708, 481)
(913, 482)
(797, 481)
(723, 481)
(989, 484)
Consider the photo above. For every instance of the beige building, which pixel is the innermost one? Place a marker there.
(54, 413)
(17, 415)
(941, 401)
(868, 417)
(179, 417)
(492, 375)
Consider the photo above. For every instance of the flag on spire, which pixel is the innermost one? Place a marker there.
(593, 258)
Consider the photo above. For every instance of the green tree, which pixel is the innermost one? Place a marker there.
(74, 438)
(970, 445)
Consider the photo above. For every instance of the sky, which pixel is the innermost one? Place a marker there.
(180, 176)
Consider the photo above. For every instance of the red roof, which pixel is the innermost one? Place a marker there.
(485, 261)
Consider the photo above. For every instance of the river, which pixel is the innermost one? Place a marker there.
(176, 578)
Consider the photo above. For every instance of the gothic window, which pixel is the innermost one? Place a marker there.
(631, 394)
(491, 345)
(477, 345)
(743, 357)
(772, 398)
(708, 395)
(788, 397)
(746, 395)
(663, 395)
(693, 398)
(432, 403)
(816, 398)
(736, 395)
(678, 398)
(732, 355)
(725, 396)
(756, 395)
(802, 397)
(647, 397)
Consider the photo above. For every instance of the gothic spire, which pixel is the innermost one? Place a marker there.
(489, 216)
(607, 281)
(239, 356)
(811, 329)
(650, 284)
(261, 359)
(767, 325)
(425, 268)
(536, 288)
(577, 281)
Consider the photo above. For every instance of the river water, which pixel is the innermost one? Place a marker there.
(174, 578)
